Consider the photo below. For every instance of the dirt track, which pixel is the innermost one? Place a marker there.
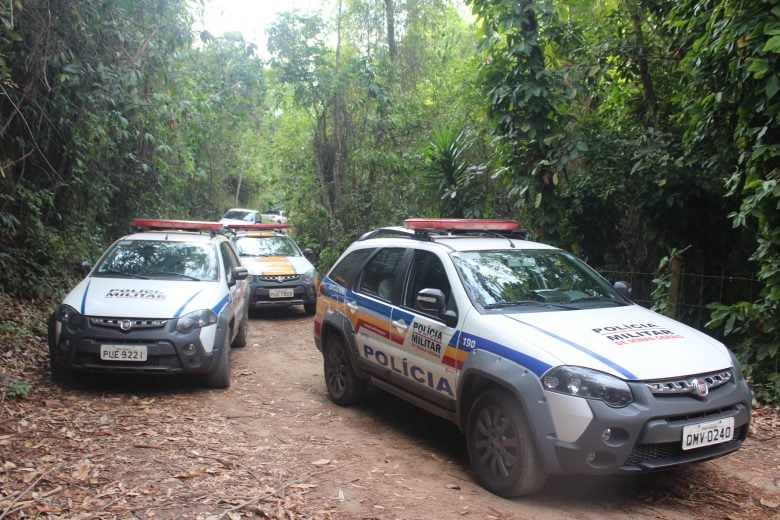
(274, 446)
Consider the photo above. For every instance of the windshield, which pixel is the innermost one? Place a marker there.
(160, 259)
(266, 246)
(532, 279)
(235, 214)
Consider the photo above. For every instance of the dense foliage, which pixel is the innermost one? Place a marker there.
(628, 131)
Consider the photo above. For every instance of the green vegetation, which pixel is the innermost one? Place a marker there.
(622, 130)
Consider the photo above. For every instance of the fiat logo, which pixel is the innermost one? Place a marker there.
(700, 386)
(125, 325)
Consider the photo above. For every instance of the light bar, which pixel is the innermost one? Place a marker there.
(462, 224)
(154, 223)
(257, 226)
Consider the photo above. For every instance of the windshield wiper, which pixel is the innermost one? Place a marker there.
(596, 299)
(181, 275)
(122, 274)
(528, 303)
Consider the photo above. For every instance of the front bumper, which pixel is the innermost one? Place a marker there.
(266, 293)
(168, 351)
(647, 434)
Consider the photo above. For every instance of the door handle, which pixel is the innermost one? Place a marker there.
(353, 306)
(400, 325)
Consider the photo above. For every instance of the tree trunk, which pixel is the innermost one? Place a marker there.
(390, 15)
(644, 71)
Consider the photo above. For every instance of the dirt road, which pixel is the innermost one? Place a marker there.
(274, 446)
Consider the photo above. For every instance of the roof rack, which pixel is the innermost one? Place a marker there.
(142, 224)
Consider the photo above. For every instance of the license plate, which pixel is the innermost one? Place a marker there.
(123, 352)
(707, 433)
(281, 293)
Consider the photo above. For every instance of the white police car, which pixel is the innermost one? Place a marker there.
(168, 299)
(280, 274)
(544, 366)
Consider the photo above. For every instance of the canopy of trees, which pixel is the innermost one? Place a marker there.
(621, 129)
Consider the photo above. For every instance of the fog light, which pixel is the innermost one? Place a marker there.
(606, 435)
(190, 349)
(65, 345)
(591, 457)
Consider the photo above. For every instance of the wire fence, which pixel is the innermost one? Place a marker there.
(696, 292)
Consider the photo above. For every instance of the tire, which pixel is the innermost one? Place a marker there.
(240, 340)
(344, 387)
(60, 374)
(501, 446)
(310, 308)
(219, 377)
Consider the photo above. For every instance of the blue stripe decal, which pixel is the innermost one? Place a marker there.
(178, 312)
(531, 363)
(221, 305)
(84, 298)
(587, 351)
(382, 310)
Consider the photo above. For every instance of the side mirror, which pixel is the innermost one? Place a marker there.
(239, 273)
(84, 268)
(308, 253)
(434, 301)
(623, 288)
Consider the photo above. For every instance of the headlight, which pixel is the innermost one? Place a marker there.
(310, 277)
(196, 320)
(587, 383)
(68, 316)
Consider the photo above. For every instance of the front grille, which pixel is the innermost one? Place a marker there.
(688, 385)
(135, 323)
(279, 278)
(671, 453)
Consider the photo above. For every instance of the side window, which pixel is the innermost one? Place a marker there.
(426, 272)
(380, 272)
(229, 260)
(344, 272)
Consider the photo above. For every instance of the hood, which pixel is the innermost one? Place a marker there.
(629, 342)
(276, 265)
(120, 297)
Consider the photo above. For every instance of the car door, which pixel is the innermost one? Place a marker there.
(426, 344)
(236, 288)
(369, 308)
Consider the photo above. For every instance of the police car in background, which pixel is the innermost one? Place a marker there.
(280, 274)
(544, 366)
(170, 298)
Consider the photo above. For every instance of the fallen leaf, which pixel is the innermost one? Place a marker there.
(453, 486)
(321, 462)
(191, 474)
(769, 503)
(83, 469)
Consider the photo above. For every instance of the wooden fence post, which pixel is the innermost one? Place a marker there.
(673, 297)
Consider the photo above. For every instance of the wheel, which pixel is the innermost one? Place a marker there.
(219, 377)
(344, 387)
(240, 340)
(60, 374)
(501, 447)
(310, 308)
